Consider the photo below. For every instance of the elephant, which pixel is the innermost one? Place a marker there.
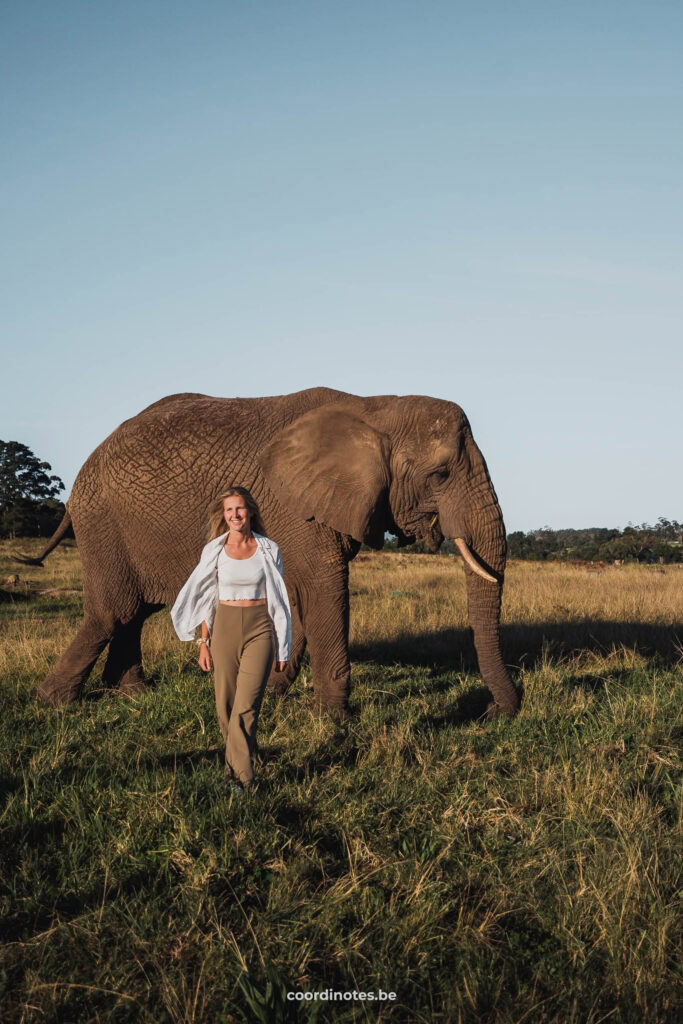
(329, 470)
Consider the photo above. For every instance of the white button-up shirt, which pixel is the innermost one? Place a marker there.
(198, 599)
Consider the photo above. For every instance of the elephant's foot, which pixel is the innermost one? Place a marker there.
(338, 713)
(133, 682)
(122, 672)
(280, 683)
(323, 704)
(61, 688)
(58, 692)
(65, 683)
(496, 711)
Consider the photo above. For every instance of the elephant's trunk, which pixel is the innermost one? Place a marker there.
(479, 521)
(483, 600)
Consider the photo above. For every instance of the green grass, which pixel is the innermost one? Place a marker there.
(524, 871)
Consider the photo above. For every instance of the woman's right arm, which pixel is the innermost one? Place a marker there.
(204, 650)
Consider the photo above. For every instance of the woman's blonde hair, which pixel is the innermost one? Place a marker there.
(217, 523)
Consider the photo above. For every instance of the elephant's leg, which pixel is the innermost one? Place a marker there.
(123, 668)
(65, 683)
(280, 682)
(325, 613)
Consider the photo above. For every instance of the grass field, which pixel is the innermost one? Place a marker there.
(525, 871)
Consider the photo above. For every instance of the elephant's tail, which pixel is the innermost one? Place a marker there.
(60, 533)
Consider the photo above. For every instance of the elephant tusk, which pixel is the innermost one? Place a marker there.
(469, 558)
(433, 522)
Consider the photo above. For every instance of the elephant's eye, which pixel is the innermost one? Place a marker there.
(439, 474)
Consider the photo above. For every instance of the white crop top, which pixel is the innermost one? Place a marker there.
(241, 579)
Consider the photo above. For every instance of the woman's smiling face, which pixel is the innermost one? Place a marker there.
(236, 514)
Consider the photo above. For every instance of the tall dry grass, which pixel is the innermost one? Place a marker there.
(391, 595)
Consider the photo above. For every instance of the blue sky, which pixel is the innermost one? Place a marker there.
(480, 202)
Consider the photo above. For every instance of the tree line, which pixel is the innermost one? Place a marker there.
(662, 542)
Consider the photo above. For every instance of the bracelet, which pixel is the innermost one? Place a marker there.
(204, 640)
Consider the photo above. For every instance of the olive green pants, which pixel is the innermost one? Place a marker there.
(243, 651)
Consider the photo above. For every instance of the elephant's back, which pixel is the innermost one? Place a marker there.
(191, 405)
(184, 434)
(168, 439)
(149, 485)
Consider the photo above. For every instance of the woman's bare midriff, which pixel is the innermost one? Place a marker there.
(241, 604)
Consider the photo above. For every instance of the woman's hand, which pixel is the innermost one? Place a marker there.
(280, 665)
(204, 658)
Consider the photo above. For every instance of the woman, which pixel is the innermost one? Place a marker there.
(237, 594)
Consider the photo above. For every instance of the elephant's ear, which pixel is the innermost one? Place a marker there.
(330, 465)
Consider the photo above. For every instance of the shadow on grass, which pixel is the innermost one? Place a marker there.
(469, 707)
(15, 597)
(527, 645)
(336, 751)
(22, 926)
(592, 683)
(186, 761)
(9, 784)
(189, 761)
(97, 689)
(342, 750)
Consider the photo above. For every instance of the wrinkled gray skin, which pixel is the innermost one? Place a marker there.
(329, 471)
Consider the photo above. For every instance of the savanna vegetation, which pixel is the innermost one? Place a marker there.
(523, 871)
(644, 543)
(29, 506)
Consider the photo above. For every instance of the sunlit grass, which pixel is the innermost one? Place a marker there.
(509, 871)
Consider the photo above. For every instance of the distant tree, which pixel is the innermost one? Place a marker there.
(520, 545)
(28, 494)
(418, 547)
(637, 541)
(668, 529)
